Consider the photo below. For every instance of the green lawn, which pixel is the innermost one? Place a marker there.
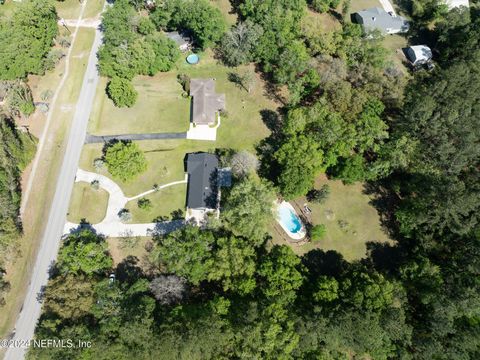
(159, 154)
(324, 22)
(160, 108)
(357, 5)
(395, 43)
(136, 248)
(164, 202)
(70, 9)
(87, 203)
(350, 219)
(225, 7)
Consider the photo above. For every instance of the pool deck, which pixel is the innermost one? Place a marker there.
(300, 235)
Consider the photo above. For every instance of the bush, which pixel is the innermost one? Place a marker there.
(122, 92)
(145, 26)
(125, 160)
(95, 184)
(144, 204)
(319, 196)
(98, 164)
(318, 232)
(184, 80)
(125, 215)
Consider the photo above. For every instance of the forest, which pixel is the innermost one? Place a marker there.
(222, 292)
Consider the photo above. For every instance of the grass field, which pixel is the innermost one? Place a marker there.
(351, 221)
(323, 22)
(87, 203)
(357, 5)
(159, 154)
(70, 9)
(164, 202)
(119, 250)
(160, 108)
(226, 8)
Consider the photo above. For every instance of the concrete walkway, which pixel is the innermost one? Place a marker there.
(111, 225)
(95, 139)
(90, 23)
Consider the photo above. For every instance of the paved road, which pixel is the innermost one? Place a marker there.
(27, 320)
(94, 139)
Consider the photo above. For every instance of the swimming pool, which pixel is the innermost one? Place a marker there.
(193, 59)
(289, 221)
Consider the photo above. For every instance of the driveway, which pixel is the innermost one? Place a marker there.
(111, 225)
(387, 6)
(98, 139)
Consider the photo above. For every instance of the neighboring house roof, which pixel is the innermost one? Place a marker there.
(205, 101)
(377, 18)
(419, 54)
(202, 181)
(179, 39)
(456, 3)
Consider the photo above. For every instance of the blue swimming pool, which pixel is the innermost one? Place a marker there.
(289, 219)
(193, 59)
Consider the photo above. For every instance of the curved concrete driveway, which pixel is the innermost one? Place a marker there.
(111, 224)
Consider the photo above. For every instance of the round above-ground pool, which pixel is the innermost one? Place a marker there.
(193, 59)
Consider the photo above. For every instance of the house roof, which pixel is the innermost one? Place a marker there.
(456, 3)
(377, 18)
(419, 53)
(205, 101)
(202, 180)
(179, 39)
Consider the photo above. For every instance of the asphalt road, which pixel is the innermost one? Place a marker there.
(31, 309)
(99, 139)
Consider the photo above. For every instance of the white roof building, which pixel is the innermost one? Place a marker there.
(419, 54)
(456, 3)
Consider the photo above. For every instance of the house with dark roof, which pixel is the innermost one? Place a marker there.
(202, 188)
(206, 102)
(378, 19)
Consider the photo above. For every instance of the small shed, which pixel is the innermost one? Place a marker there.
(419, 54)
(181, 40)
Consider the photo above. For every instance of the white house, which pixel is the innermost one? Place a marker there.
(419, 54)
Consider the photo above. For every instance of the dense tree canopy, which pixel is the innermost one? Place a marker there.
(26, 39)
(222, 292)
(16, 150)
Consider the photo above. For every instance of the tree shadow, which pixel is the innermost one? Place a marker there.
(383, 256)
(128, 270)
(272, 120)
(319, 262)
(385, 202)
